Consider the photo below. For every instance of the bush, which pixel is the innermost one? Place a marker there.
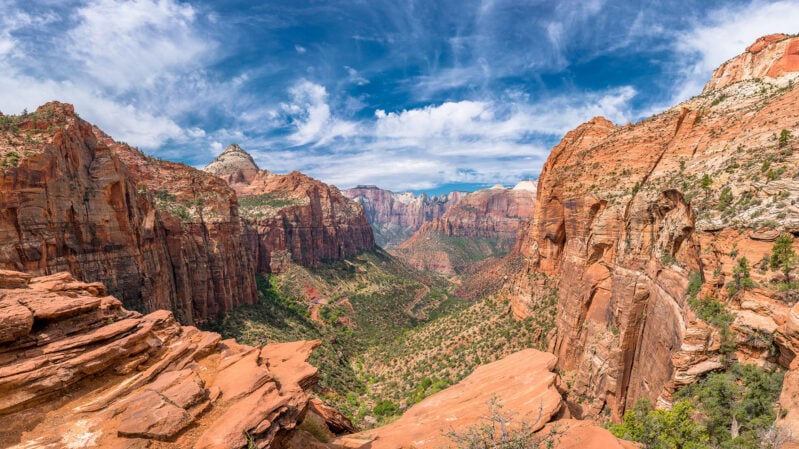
(662, 429)
(385, 409)
(783, 257)
(785, 137)
(499, 432)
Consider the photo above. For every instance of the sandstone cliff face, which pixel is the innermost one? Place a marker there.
(161, 235)
(480, 225)
(78, 370)
(293, 217)
(625, 216)
(396, 216)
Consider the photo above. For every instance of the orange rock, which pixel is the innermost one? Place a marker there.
(396, 216)
(773, 55)
(293, 213)
(623, 219)
(77, 370)
(494, 214)
(160, 235)
(522, 383)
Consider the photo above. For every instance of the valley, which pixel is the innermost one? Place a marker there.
(643, 290)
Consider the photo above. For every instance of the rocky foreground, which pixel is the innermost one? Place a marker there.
(523, 389)
(78, 370)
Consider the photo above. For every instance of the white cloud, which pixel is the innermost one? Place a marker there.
(311, 117)
(724, 34)
(300, 49)
(128, 43)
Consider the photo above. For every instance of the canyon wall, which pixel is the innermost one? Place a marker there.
(292, 217)
(160, 235)
(396, 216)
(481, 225)
(627, 217)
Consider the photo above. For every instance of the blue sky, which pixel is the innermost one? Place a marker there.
(422, 95)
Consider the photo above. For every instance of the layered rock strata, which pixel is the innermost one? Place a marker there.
(160, 235)
(626, 216)
(394, 217)
(293, 217)
(78, 370)
(480, 225)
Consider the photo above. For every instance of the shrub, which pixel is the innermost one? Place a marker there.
(785, 137)
(662, 429)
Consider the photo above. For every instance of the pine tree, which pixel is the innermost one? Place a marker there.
(783, 257)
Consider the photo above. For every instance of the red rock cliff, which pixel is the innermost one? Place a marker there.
(161, 235)
(625, 215)
(292, 217)
(396, 216)
(485, 224)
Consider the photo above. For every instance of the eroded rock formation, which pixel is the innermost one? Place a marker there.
(160, 235)
(522, 385)
(396, 216)
(480, 225)
(292, 217)
(78, 370)
(627, 215)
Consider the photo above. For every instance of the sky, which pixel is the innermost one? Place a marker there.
(427, 95)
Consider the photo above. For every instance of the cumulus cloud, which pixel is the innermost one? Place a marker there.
(311, 117)
(126, 65)
(725, 33)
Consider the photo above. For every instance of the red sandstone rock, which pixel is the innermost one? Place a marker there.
(292, 216)
(100, 376)
(522, 383)
(773, 55)
(493, 215)
(622, 220)
(78, 201)
(396, 216)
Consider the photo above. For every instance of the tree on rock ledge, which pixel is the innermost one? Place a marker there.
(783, 257)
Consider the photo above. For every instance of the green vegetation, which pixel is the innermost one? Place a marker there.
(362, 302)
(731, 409)
(706, 181)
(260, 206)
(741, 278)
(499, 431)
(442, 352)
(783, 256)
(662, 429)
(785, 137)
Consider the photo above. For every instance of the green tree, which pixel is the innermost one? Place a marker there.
(706, 181)
(662, 429)
(741, 279)
(783, 256)
(738, 405)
